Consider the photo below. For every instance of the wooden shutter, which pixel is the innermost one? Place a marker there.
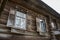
(11, 18)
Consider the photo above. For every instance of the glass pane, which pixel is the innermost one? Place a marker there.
(20, 23)
(17, 22)
(20, 14)
(42, 26)
(23, 23)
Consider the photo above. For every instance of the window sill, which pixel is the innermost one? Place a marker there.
(6, 29)
(15, 31)
(23, 32)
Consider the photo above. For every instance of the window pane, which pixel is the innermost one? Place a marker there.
(17, 22)
(20, 23)
(42, 26)
(20, 14)
(23, 23)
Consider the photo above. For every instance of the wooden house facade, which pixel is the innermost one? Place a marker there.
(28, 20)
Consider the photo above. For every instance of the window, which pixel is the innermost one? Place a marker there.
(41, 25)
(54, 24)
(20, 20)
(17, 19)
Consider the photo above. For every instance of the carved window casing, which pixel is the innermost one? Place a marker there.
(53, 24)
(16, 19)
(41, 25)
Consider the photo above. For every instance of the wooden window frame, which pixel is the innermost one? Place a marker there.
(14, 14)
(54, 23)
(42, 33)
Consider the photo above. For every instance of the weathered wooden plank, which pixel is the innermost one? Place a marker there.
(3, 21)
(2, 6)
